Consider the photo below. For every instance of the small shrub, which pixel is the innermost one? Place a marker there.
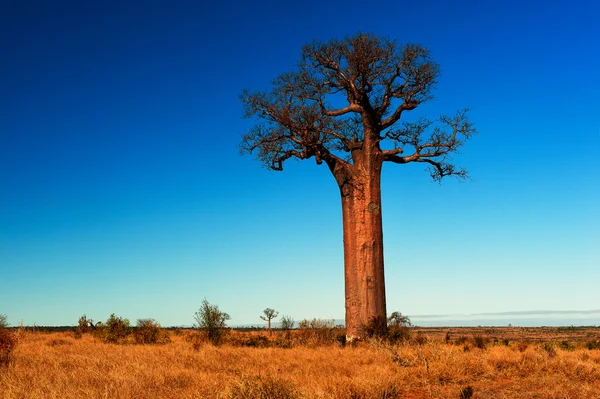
(479, 342)
(8, 342)
(284, 339)
(115, 330)
(85, 325)
(393, 329)
(421, 339)
(461, 340)
(566, 345)
(398, 327)
(466, 393)
(148, 331)
(593, 345)
(249, 340)
(210, 322)
(316, 332)
(287, 323)
(196, 340)
(377, 327)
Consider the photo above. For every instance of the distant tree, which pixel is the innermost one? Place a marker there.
(84, 325)
(397, 319)
(149, 331)
(287, 323)
(269, 315)
(211, 321)
(342, 106)
(3, 321)
(115, 330)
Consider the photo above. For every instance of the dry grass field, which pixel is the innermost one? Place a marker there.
(533, 363)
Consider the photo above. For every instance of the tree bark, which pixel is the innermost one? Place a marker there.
(363, 244)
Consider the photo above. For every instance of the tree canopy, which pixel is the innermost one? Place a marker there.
(345, 94)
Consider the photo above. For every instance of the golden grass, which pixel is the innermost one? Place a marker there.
(59, 366)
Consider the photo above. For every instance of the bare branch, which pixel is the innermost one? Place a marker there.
(439, 145)
(412, 82)
(395, 117)
(343, 111)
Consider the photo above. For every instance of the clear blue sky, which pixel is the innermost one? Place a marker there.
(122, 190)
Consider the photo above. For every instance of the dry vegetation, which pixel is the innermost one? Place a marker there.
(57, 365)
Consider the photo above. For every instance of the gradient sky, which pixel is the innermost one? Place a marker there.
(122, 188)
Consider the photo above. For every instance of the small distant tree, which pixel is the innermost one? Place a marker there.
(397, 319)
(211, 321)
(285, 339)
(269, 315)
(84, 325)
(287, 323)
(115, 330)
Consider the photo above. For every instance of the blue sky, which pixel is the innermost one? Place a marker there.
(122, 188)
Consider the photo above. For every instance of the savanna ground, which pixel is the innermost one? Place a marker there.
(434, 363)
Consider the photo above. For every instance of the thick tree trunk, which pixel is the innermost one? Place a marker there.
(363, 247)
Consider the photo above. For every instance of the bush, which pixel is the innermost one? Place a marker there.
(84, 325)
(566, 345)
(591, 345)
(316, 332)
(466, 393)
(253, 341)
(148, 331)
(284, 339)
(210, 322)
(287, 323)
(461, 340)
(549, 349)
(393, 329)
(377, 327)
(421, 339)
(115, 330)
(8, 342)
(479, 342)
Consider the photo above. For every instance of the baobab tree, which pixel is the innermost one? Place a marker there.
(343, 106)
(270, 314)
